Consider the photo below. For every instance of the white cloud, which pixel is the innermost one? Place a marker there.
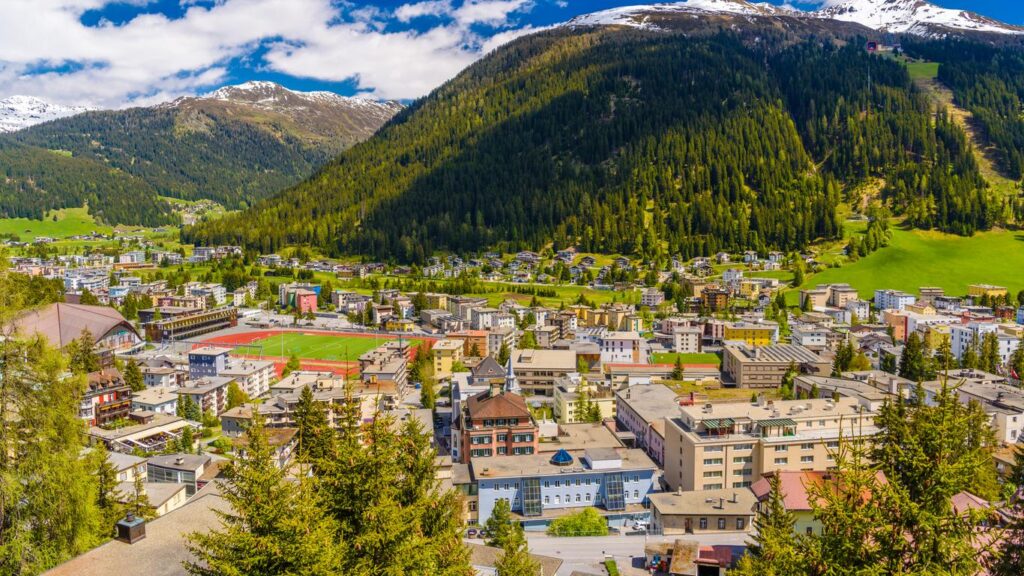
(151, 58)
(490, 12)
(407, 12)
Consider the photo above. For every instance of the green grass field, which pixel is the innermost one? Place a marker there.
(320, 346)
(670, 358)
(917, 258)
(923, 70)
(69, 222)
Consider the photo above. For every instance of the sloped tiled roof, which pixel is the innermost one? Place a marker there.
(488, 368)
(61, 323)
(502, 405)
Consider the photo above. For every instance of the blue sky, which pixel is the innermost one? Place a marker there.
(135, 52)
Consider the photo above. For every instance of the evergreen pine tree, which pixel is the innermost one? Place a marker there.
(133, 376)
(274, 525)
(515, 559)
(773, 551)
(313, 432)
(499, 526)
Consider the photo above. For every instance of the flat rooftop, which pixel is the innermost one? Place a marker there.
(651, 402)
(724, 502)
(580, 436)
(778, 353)
(540, 465)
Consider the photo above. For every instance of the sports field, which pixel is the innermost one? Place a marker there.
(314, 346)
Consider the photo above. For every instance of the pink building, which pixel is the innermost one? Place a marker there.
(305, 301)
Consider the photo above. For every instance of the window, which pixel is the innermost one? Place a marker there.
(558, 483)
(742, 472)
(577, 481)
(614, 493)
(742, 459)
(577, 497)
(744, 484)
(781, 448)
(781, 461)
(744, 447)
(807, 458)
(502, 450)
(807, 446)
(703, 523)
(712, 461)
(547, 484)
(636, 494)
(832, 444)
(502, 437)
(636, 478)
(712, 486)
(721, 523)
(481, 453)
(508, 486)
(810, 531)
(714, 474)
(588, 496)
(740, 523)
(547, 499)
(709, 449)
(558, 499)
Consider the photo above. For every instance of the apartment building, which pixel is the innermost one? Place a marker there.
(642, 410)
(623, 348)
(446, 354)
(752, 333)
(538, 370)
(717, 446)
(766, 366)
(893, 299)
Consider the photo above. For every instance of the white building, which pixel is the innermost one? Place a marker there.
(652, 298)
(623, 348)
(893, 299)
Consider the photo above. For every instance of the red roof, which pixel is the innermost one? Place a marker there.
(502, 405)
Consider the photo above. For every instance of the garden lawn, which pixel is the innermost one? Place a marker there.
(70, 222)
(670, 358)
(320, 346)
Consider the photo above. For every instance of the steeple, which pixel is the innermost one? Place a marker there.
(511, 382)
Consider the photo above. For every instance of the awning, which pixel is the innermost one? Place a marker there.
(776, 422)
(719, 423)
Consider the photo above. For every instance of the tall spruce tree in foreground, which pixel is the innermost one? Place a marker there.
(1008, 559)
(499, 526)
(274, 526)
(774, 550)
(515, 559)
(313, 432)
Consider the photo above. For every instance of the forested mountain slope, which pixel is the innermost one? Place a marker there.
(34, 181)
(633, 141)
(235, 146)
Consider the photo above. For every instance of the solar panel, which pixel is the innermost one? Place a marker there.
(531, 497)
(615, 496)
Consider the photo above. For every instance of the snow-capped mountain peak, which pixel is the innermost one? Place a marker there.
(637, 16)
(911, 16)
(17, 112)
(271, 95)
(892, 16)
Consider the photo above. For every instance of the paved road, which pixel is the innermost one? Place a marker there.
(586, 554)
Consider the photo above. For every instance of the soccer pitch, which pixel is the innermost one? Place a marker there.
(338, 348)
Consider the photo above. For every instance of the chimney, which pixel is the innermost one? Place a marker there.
(131, 529)
(179, 460)
(734, 498)
(894, 386)
(721, 503)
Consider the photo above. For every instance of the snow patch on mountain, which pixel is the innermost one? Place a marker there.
(638, 16)
(911, 16)
(272, 95)
(893, 16)
(18, 112)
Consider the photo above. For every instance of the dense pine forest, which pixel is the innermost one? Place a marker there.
(34, 181)
(630, 142)
(189, 157)
(988, 81)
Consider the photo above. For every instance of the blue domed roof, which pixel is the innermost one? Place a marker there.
(561, 458)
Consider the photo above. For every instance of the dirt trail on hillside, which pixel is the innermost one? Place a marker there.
(985, 153)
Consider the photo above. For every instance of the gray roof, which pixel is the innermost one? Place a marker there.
(189, 462)
(163, 549)
(61, 323)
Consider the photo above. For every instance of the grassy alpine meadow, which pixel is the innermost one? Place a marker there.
(311, 346)
(916, 258)
(57, 224)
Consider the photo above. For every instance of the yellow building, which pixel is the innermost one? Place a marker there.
(436, 301)
(446, 354)
(979, 290)
(399, 325)
(572, 392)
(753, 334)
(936, 334)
